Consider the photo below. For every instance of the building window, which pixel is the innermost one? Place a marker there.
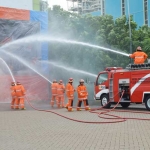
(103, 7)
(123, 7)
(146, 12)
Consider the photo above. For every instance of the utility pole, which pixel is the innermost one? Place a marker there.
(130, 32)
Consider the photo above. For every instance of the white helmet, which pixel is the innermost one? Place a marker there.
(70, 79)
(60, 81)
(81, 81)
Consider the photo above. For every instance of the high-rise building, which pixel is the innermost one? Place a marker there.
(139, 9)
(84, 6)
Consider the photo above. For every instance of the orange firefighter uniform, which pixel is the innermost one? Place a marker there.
(13, 95)
(54, 92)
(138, 56)
(70, 94)
(60, 93)
(82, 96)
(20, 93)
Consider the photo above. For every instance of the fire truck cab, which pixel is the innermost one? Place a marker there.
(134, 81)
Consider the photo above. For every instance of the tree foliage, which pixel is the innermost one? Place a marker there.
(100, 30)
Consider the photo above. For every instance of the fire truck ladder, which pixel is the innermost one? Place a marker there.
(111, 93)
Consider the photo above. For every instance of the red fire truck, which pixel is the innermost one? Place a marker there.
(134, 81)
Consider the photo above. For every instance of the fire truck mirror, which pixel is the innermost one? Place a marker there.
(102, 87)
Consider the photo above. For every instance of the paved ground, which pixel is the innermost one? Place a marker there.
(35, 130)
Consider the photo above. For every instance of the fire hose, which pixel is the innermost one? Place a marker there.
(106, 112)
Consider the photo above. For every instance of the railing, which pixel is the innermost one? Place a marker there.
(138, 66)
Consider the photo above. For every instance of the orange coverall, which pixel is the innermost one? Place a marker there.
(82, 96)
(70, 95)
(139, 57)
(20, 92)
(13, 94)
(60, 94)
(54, 93)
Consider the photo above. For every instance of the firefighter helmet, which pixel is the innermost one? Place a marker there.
(18, 83)
(81, 81)
(60, 81)
(70, 79)
(139, 48)
(54, 81)
(12, 83)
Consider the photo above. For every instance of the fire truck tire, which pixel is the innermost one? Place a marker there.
(105, 100)
(147, 102)
(125, 105)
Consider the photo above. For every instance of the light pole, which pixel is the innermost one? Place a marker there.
(130, 32)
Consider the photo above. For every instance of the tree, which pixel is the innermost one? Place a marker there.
(99, 30)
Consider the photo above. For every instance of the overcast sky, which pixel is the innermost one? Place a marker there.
(62, 3)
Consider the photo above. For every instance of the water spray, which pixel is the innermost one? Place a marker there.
(8, 69)
(25, 63)
(69, 69)
(42, 38)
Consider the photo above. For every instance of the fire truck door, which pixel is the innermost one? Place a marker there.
(101, 84)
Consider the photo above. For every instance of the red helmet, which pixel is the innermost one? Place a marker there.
(70, 79)
(81, 81)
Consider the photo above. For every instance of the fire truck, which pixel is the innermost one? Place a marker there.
(134, 80)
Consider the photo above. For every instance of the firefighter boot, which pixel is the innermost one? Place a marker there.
(79, 105)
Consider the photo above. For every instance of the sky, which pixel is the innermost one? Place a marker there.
(62, 3)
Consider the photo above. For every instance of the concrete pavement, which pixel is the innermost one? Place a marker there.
(34, 130)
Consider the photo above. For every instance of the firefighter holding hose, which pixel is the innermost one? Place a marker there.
(82, 96)
(60, 93)
(13, 95)
(54, 92)
(139, 56)
(70, 94)
(20, 93)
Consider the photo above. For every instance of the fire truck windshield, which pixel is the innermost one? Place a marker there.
(102, 78)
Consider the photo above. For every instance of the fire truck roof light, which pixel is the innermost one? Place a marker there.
(113, 68)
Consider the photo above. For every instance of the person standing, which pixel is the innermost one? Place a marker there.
(13, 95)
(70, 94)
(20, 93)
(60, 94)
(82, 96)
(139, 56)
(54, 92)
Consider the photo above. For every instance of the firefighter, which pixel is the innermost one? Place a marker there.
(70, 94)
(82, 96)
(13, 95)
(20, 93)
(54, 93)
(139, 56)
(60, 93)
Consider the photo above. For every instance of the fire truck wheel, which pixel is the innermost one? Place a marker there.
(105, 100)
(147, 102)
(124, 105)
